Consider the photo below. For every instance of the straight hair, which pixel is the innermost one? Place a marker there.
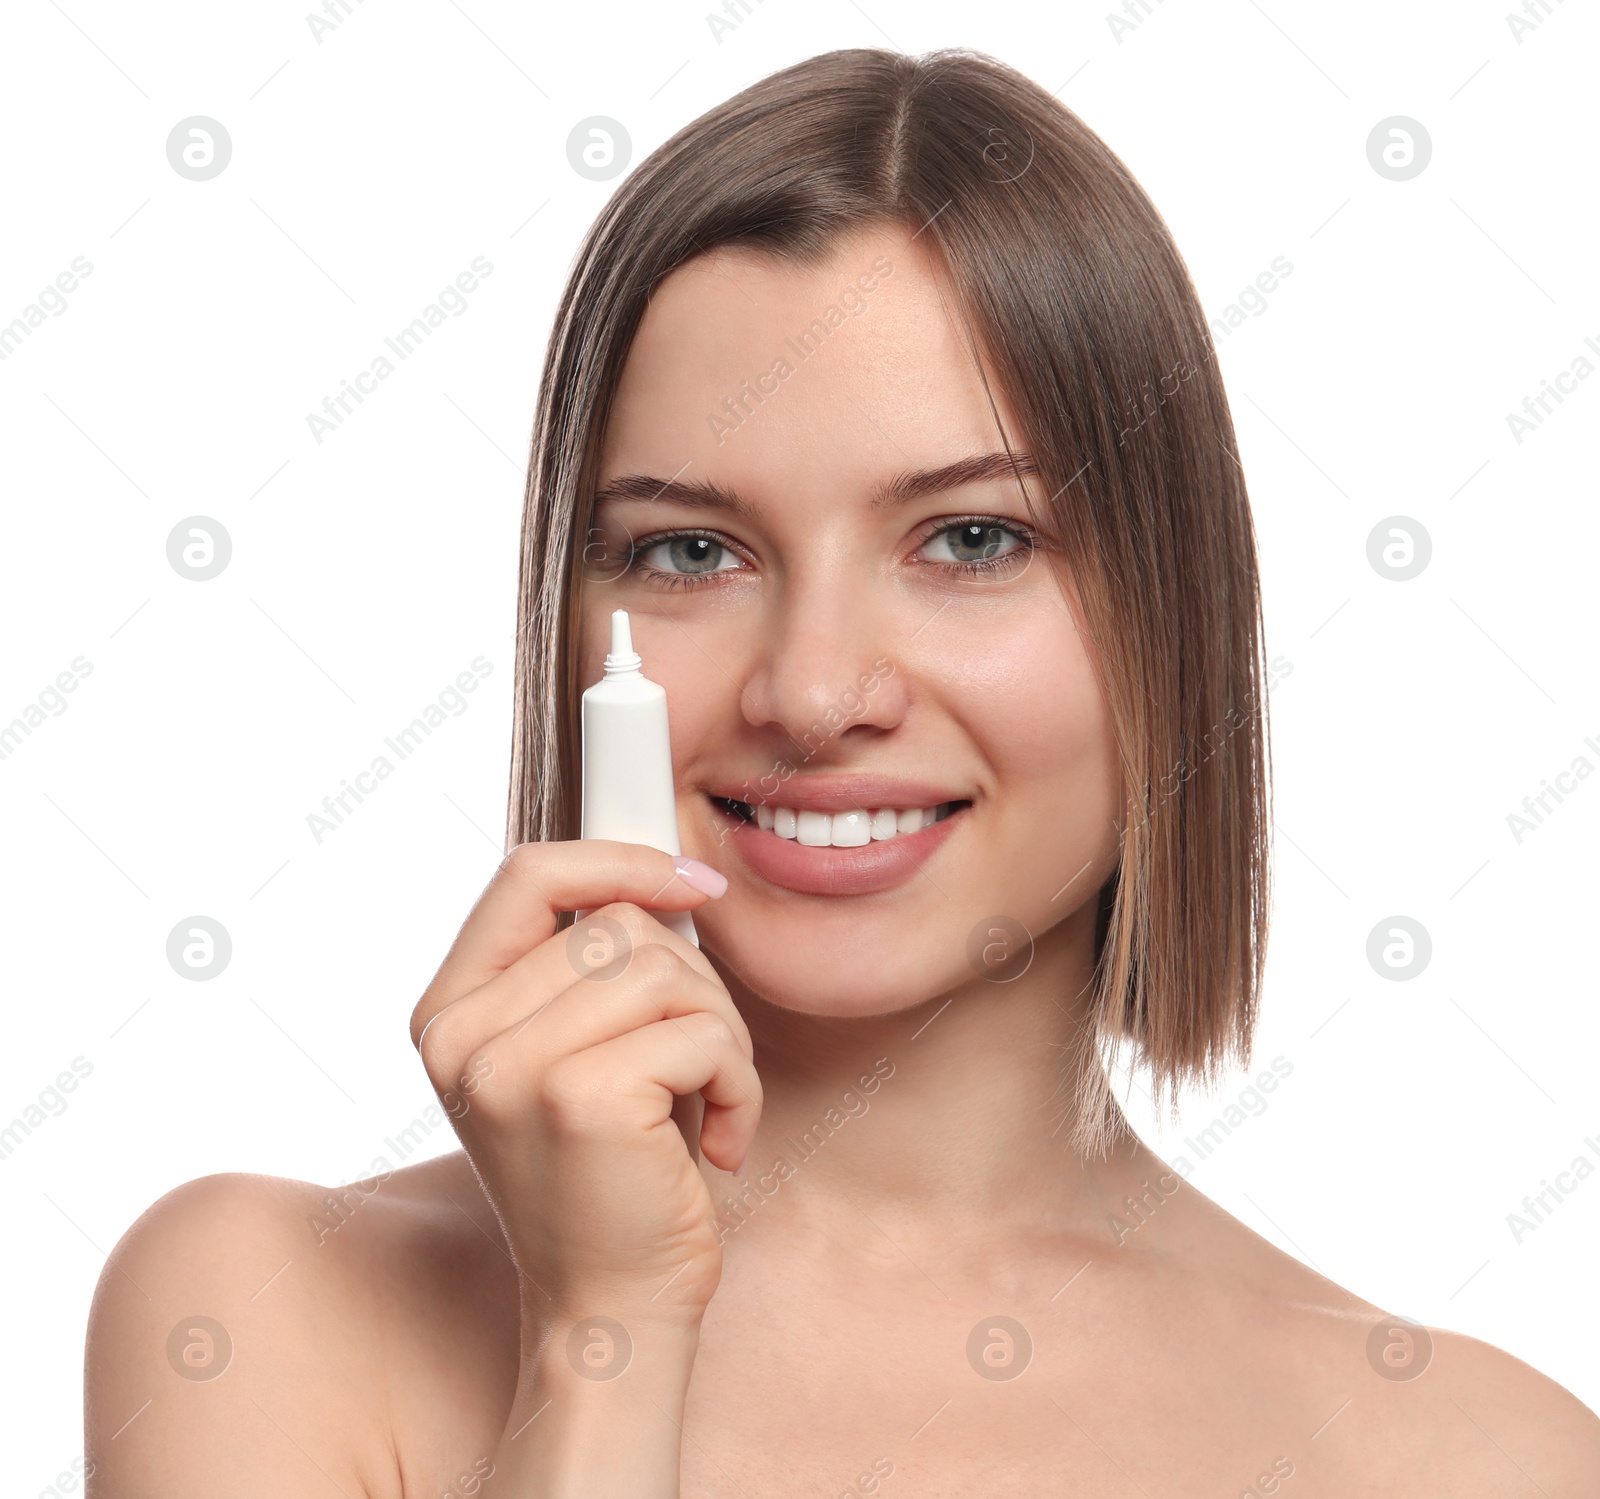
(1069, 285)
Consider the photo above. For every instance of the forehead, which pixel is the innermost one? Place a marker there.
(767, 376)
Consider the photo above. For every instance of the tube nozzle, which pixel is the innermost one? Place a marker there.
(623, 657)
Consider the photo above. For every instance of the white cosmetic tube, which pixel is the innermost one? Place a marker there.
(628, 792)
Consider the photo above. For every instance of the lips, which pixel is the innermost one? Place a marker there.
(822, 806)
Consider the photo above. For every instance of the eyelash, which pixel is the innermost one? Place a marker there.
(659, 577)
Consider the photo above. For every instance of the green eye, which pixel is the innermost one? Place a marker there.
(973, 542)
(682, 559)
(695, 554)
(978, 544)
(973, 545)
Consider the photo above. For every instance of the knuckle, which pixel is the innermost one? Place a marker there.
(642, 924)
(718, 1032)
(520, 853)
(439, 1048)
(471, 1073)
(656, 963)
(750, 1085)
(524, 861)
(421, 1013)
(634, 920)
(480, 1067)
(459, 1070)
(493, 1109)
(566, 1095)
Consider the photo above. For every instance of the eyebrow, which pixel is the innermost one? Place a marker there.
(909, 484)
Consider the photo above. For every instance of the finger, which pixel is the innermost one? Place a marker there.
(541, 1010)
(534, 883)
(599, 948)
(633, 1079)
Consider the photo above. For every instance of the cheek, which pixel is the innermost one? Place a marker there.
(695, 665)
(703, 716)
(1026, 689)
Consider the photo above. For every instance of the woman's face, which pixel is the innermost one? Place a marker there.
(849, 629)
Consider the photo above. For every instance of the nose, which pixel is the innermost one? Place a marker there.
(825, 670)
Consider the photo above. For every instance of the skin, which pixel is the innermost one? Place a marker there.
(827, 1328)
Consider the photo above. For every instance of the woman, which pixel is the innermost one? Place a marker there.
(882, 401)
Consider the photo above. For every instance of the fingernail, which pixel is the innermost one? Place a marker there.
(701, 876)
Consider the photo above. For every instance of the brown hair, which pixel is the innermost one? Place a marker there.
(1069, 283)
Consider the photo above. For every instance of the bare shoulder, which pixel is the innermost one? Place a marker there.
(1535, 1424)
(249, 1331)
(1369, 1401)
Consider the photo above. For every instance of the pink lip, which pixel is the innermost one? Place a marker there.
(874, 867)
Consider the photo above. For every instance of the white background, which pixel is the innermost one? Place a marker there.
(367, 571)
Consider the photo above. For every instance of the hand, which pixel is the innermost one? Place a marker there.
(561, 1076)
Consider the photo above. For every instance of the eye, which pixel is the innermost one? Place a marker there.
(678, 559)
(969, 544)
(979, 543)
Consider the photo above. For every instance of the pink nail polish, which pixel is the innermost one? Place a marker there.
(701, 876)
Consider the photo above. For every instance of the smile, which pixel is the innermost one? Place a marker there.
(856, 851)
(853, 829)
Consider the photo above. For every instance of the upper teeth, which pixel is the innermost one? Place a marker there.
(846, 829)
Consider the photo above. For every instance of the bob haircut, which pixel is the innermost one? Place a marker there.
(1068, 284)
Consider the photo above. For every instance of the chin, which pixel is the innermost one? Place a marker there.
(792, 965)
